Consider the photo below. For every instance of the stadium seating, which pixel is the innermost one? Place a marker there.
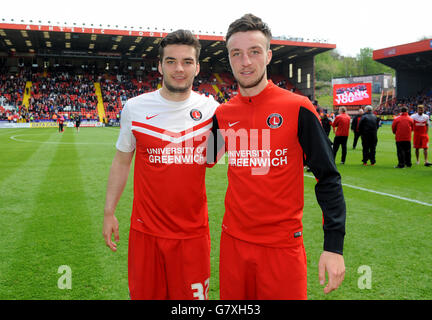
(392, 106)
(67, 93)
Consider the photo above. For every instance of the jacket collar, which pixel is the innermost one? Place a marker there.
(260, 96)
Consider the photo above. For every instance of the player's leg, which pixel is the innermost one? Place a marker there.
(374, 142)
(416, 147)
(356, 137)
(282, 274)
(187, 267)
(425, 153)
(344, 141)
(408, 154)
(425, 146)
(236, 271)
(367, 146)
(146, 274)
(400, 155)
(336, 144)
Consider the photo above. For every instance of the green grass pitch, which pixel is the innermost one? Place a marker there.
(52, 193)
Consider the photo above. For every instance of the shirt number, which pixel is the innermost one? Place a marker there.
(200, 291)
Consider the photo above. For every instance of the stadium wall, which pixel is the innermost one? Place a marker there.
(47, 124)
(301, 73)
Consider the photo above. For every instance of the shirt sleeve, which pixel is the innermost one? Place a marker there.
(216, 144)
(394, 125)
(335, 122)
(126, 140)
(328, 190)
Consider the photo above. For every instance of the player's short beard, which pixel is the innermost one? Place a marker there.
(253, 84)
(174, 89)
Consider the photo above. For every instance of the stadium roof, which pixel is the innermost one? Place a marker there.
(90, 42)
(414, 56)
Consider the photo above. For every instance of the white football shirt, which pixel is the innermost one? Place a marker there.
(169, 139)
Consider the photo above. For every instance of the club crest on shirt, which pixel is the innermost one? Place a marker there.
(274, 120)
(196, 114)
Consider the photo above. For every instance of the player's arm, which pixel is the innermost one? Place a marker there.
(394, 126)
(117, 180)
(354, 123)
(360, 125)
(319, 158)
(215, 144)
(334, 124)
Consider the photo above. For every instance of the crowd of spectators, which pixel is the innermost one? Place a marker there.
(394, 106)
(51, 93)
(12, 87)
(62, 92)
(68, 93)
(228, 91)
(117, 89)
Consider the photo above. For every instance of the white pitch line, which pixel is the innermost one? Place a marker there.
(381, 193)
(8, 132)
(58, 142)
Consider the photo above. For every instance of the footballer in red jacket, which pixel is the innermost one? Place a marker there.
(402, 128)
(341, 125)
(268, 134)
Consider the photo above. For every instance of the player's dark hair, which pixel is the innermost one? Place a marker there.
(404, 109)
(249, 22)
(180, 37)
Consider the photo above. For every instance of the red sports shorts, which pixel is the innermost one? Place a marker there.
(168, 269)
(253, 272)
(421, 141)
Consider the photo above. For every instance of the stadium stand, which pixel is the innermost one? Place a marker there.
(69, 93)
(413, 65)
(51, 70)
(12, 88)
(394, 106)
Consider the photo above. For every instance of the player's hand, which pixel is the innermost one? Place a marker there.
(110, 226)
(334, 265)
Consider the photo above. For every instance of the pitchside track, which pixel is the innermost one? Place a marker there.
(52, 192)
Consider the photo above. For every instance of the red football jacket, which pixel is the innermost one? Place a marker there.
(342, 125)
(268, 138)
(403, 127)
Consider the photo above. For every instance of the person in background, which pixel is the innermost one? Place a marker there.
(326, 123)
(421, 137)
(355, 126)
(61, 123)
(368, 129)
(402, 128)
(78, 122)
(341, 125)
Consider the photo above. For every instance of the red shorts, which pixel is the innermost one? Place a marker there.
(168, 269)
(253, 272)
(421, 141)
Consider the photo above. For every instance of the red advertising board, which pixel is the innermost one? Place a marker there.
(352, 94)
